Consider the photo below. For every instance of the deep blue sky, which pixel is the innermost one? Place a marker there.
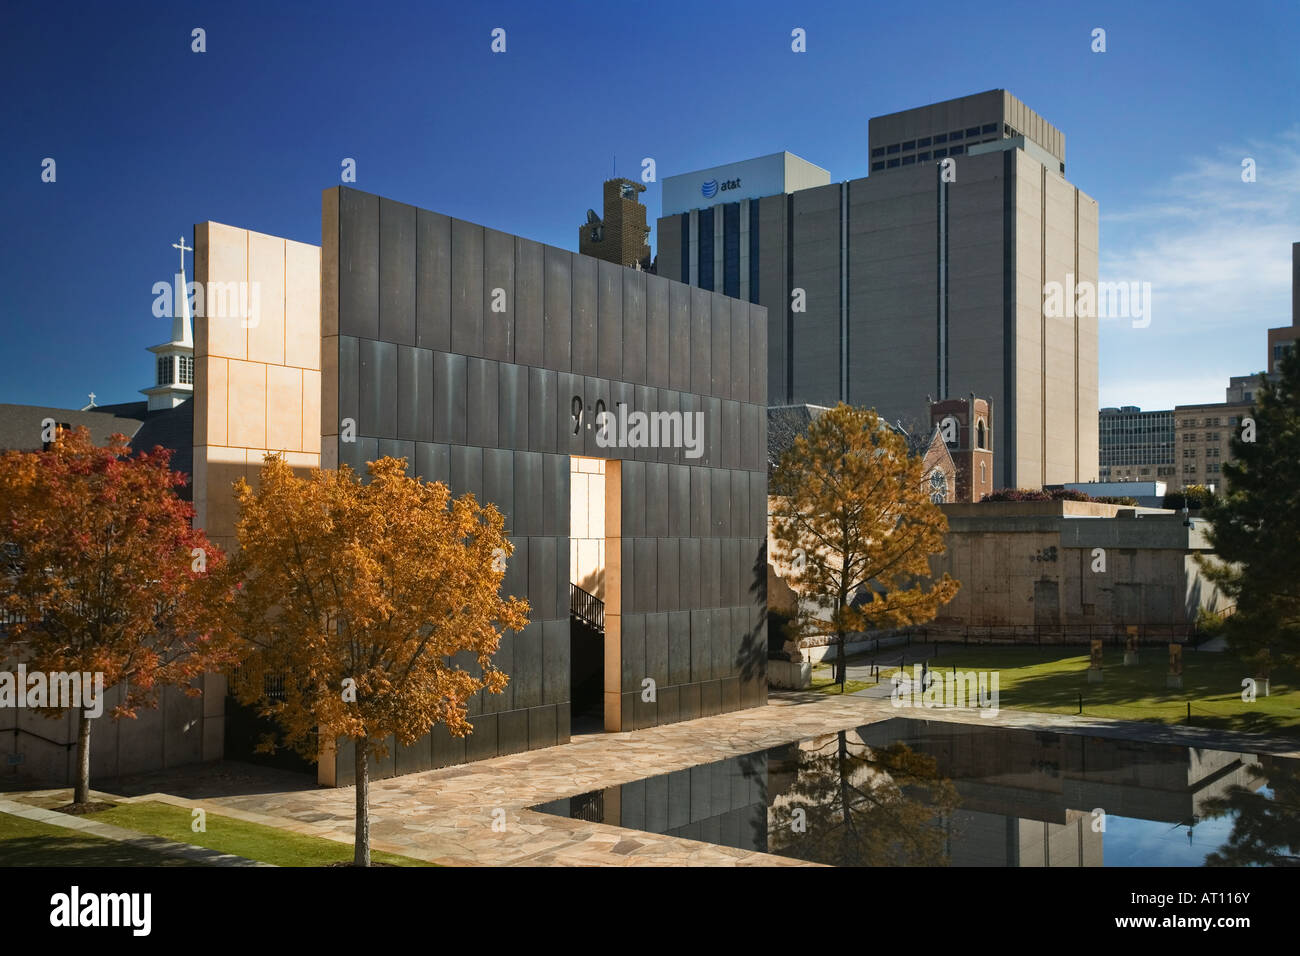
(151, 138)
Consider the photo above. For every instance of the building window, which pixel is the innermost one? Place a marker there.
(187, 370)
(879, 165)
(955, 134)
(892, 163)
(731, 249)
(164, 370)
(980, 435)
(989, 128)
(938, 487)
(892, 149)
(910, 144)
(973, 131)
(956, 150)
(922, 157)
(705, 244)
(909, 160)
(753, 250)
(983, 474)
(923, 142)
(941, 138)
(878, 151)
(940, 153)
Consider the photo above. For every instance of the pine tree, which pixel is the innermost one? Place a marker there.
(1256, 526)
(853, 519)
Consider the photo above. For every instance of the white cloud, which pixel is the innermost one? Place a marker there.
(1217, 252)
(1213, 247)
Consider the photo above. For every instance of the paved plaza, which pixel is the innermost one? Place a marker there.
(446, 816)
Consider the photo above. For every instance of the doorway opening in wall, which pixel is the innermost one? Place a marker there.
(587, 629)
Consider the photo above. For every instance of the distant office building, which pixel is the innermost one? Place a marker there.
(1134, 445)
(1244, 388)
(956, 127)
(620, 236)
(1204, 440)
(921, 280)
(1282, 340)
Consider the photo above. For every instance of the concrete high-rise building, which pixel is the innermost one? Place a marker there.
(619, 237)
(1283, 339)
(1135, 445)
(925, 279)
(1205, 441)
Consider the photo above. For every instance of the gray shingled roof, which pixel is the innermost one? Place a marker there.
(785, 423)
(20, 428)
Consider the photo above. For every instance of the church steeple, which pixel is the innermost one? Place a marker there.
(175, 362)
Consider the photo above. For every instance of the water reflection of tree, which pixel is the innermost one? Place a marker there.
(1266, 832)
(863, 806)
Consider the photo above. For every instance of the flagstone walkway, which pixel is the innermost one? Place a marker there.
(446, 816)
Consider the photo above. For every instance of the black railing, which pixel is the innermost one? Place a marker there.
(586, 607)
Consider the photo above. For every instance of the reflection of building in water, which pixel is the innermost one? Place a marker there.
(724, 803)
(1027, 798)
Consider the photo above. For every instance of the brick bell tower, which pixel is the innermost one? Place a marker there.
(966, 426)
(621, 235)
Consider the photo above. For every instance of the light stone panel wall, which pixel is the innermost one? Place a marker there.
(256, 381)
(587, 524)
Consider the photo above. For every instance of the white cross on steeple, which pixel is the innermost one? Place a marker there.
(184, 249)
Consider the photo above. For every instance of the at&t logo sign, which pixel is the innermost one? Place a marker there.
(711, 187)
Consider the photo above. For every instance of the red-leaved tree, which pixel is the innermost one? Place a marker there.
(99, 571)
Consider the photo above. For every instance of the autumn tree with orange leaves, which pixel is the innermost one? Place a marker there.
(351, 598)
(853, 520)
(99, 572)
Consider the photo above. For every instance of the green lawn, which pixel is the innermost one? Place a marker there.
(228, 835)
(30, 843)
(1050, 680)
(823, 683)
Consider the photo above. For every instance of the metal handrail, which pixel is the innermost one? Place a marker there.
(29, 733)
(586, 607)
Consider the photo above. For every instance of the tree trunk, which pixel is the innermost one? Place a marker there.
(81, 790)
(843, 754)
(361, 841)
(840, 664)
